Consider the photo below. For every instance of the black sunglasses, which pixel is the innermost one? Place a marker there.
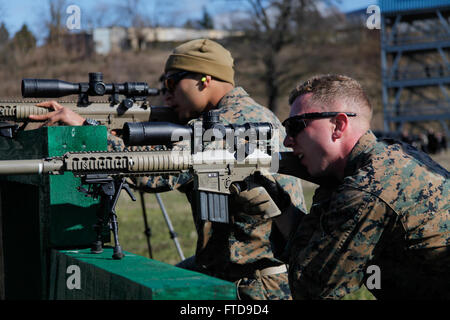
(294, 125)
(171, 81)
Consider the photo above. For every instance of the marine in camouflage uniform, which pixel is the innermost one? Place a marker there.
(391, 209)
(246, 250)
(239, 251)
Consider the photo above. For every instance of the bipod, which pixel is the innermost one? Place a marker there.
(109, 190)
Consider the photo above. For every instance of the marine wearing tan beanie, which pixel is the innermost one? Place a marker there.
(203, 56)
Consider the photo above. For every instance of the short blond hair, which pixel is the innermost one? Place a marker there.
(327, 89)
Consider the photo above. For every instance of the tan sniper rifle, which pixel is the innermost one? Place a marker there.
(114, 114)
(216, 173)
(112, 117)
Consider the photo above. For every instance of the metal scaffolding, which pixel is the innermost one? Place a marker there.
(415, 41)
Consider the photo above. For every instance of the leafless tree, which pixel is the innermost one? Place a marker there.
(55, 21)
(133, 11)
(273, 26)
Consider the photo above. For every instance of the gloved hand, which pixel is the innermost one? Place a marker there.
(277, 193)
(256, 201)
(291, 216)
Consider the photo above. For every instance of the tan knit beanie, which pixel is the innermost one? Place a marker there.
(203, 56)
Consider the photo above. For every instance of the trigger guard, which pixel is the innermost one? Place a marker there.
(235, 188)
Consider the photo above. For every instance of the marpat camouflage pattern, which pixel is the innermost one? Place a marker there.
(391, 210)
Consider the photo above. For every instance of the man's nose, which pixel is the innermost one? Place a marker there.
(167, 98)
(288, 142)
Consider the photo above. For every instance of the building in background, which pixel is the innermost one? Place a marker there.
(114, 39)
(108, 40)
(415, 44)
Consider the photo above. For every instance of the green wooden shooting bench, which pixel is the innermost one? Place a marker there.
(46, 230)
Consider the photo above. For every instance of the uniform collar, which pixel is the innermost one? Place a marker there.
(231, 95)
(360, 153)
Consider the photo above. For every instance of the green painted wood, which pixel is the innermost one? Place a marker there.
(43, 212)
(72, 214)
(133, 277)
(67, 214)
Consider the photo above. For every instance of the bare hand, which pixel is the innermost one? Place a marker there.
(60, 114)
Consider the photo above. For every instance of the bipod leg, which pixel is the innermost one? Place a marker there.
(97, 245)
(172, 232)
(95, 189)
(147, 231)
(112, 192)
(117, 251)
(109, 189)
(119, 184)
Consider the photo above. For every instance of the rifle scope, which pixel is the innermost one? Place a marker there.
(53, 88)
(164, 133)
(153, 133)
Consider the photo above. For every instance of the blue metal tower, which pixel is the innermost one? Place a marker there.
(415, 42)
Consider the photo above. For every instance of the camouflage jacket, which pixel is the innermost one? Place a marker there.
(232, 251)
(391, 210)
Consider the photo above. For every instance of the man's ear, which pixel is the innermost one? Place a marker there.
(206, 81)
(341, 124)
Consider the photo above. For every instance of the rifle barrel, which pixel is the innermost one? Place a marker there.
(34, 166)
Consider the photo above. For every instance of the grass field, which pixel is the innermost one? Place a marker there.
(131, 224)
